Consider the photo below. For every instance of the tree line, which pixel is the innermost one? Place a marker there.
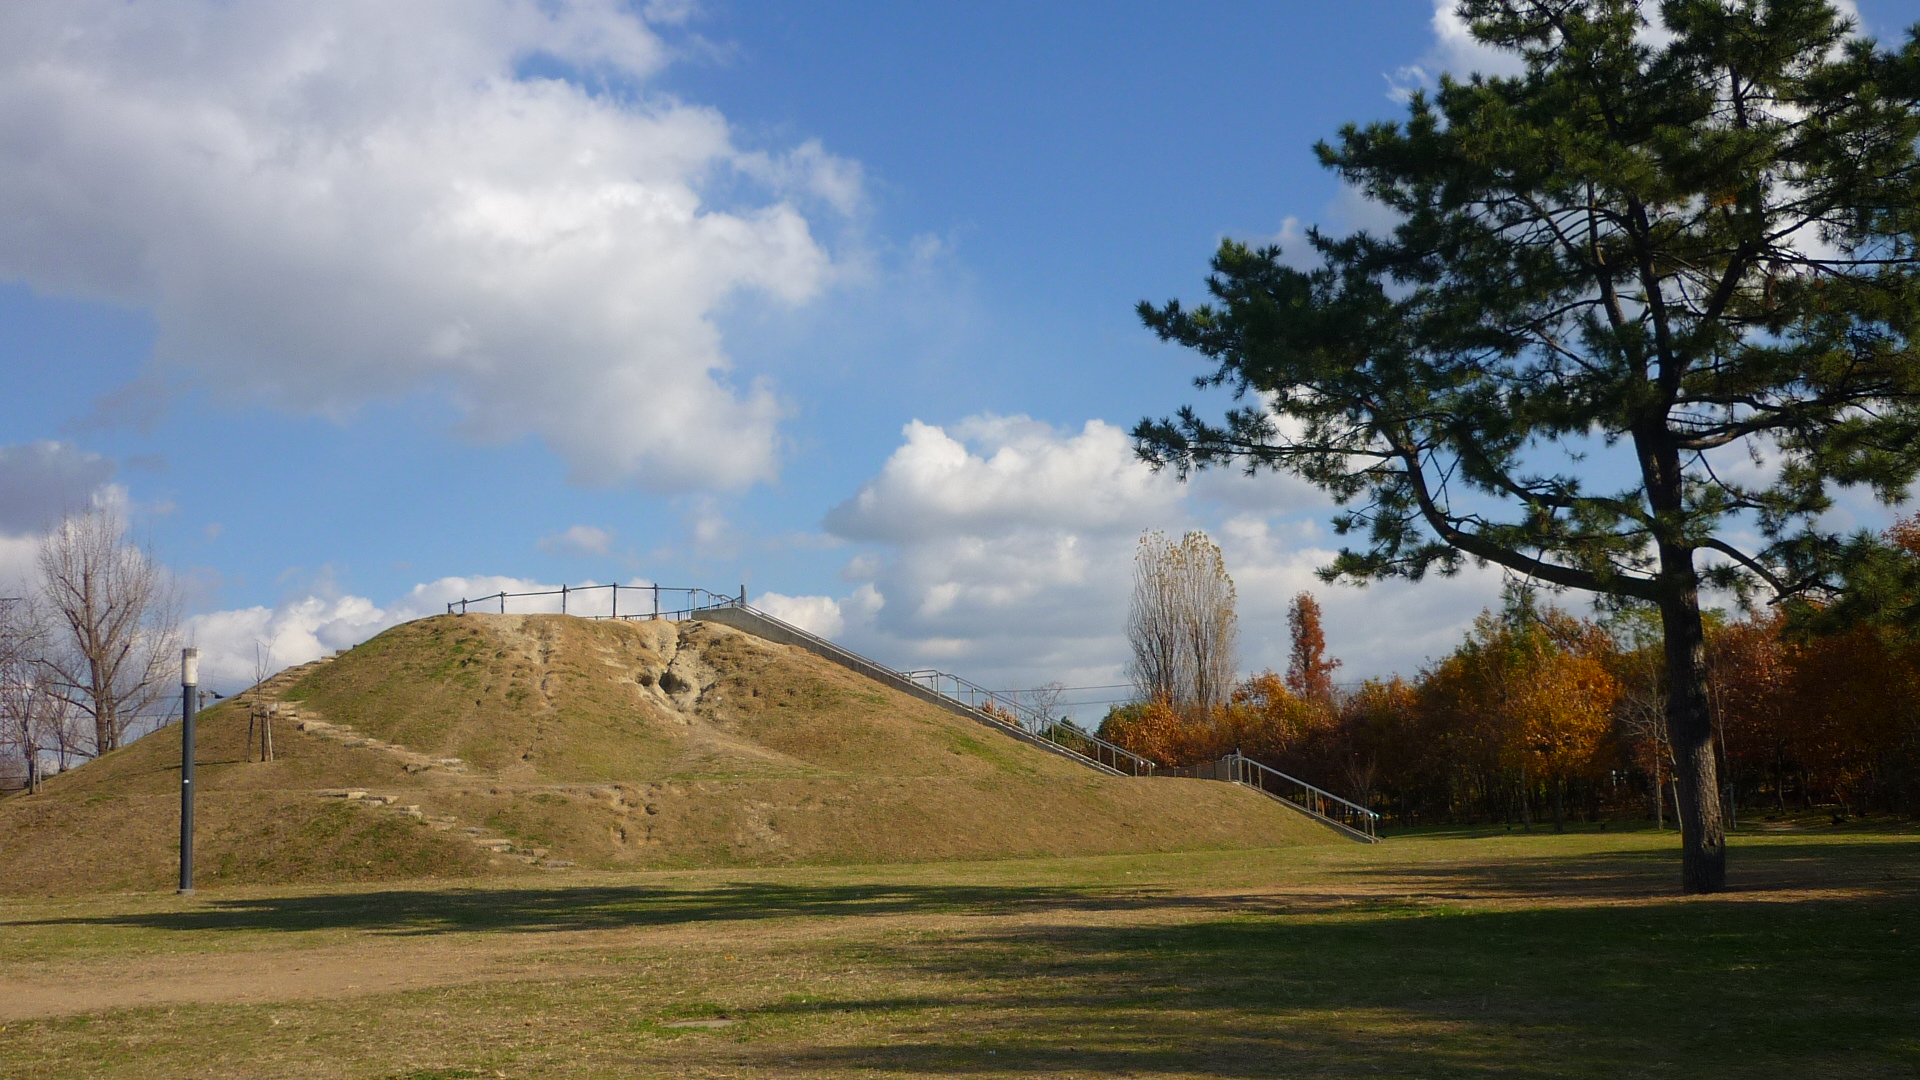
(1541, 716)
(87, 653)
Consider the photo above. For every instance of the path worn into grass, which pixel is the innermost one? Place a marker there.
(1469, 956)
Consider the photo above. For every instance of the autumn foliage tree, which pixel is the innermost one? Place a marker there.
(1526, 701)
(1561, 709)
(1543, 714)
(1309, 671)
(1273, 719)
(1538, 711)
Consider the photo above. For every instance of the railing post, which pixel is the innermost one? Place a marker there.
(503, 601)
(563, 599)
(656, 601)
(616, 599)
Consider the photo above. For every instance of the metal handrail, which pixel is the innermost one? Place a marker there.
(697, 600)
(1054, 729)
(988, 706)
(1316, 801)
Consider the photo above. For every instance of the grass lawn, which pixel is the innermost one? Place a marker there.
(1437, 954)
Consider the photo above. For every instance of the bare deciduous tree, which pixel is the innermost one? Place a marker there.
(19, 735)
(35, 719)
(1153, 622)
(1044, 700)
(114, 623)
(1181, 624)
(260, 712)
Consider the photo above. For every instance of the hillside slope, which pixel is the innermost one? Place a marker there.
(484, 744)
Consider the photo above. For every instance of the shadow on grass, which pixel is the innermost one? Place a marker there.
(1715, 989)
(1863, 867)
(431, 911)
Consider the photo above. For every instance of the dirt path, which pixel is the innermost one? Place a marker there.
(266, 976)
(382, 964)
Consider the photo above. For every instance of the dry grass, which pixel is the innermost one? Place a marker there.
(1446, 955)
(610, 745)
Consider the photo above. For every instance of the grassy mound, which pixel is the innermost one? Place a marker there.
(601, 745)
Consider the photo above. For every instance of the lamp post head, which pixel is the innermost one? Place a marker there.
(189, 667)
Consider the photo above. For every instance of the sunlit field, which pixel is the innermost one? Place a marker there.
(1461, 953)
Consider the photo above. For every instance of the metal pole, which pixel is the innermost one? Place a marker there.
(656, 601)
(616, 599)
(503, 601)
(189, 705)
(563, 599)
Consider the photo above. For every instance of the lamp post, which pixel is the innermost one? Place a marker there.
(189, 704)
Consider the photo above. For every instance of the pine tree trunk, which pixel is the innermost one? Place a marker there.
(1703, 842)
(1559, 805)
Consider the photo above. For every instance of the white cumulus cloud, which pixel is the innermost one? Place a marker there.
(1002, 549)
(304, 628)
(232, 642)
(578, 540)
(1006, 545)
(329, 204)
(997, 475)
(814, 614)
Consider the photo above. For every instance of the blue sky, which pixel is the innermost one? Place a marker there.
(822, 299)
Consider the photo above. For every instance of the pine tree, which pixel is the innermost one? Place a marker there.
(1614, 279)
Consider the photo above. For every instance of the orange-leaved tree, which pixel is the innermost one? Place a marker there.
(1309, 672)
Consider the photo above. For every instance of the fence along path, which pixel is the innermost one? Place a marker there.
(1350, 818)
(1002, 712)
(643, 601)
